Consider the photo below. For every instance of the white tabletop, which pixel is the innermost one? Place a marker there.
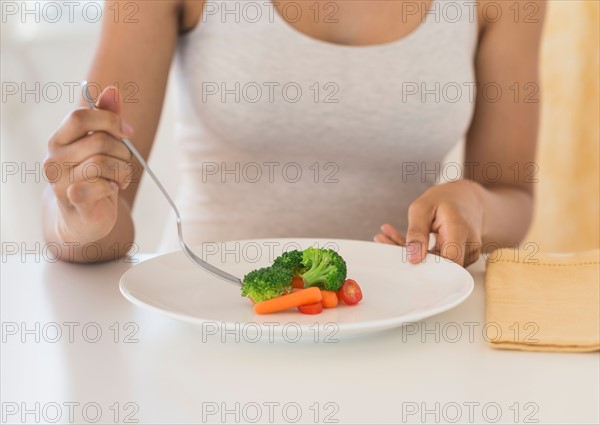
(163, 371)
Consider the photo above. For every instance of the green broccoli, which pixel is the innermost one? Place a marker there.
(291, 260)
(324, 268)
(266, 283)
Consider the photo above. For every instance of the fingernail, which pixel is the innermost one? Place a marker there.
(126, 129)
(413, 249)
(113, 185)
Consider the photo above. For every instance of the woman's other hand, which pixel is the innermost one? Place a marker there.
(454, 212)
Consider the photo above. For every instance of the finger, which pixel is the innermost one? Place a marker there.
(392, 233)
(84, 120)
(109, 100)
(59, 188)
(99, 167)
(98, 143)
(381, 238)
(84, 195)
(452, 237)
(420, 217)
(453, 246)
(471, 256)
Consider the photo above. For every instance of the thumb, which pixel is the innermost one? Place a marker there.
(420, 216)
(109, 100)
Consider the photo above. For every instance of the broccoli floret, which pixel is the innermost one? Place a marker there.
(266, 283)
(291, 260)
(324, 268)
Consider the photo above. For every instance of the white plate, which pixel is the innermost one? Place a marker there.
(394, 291)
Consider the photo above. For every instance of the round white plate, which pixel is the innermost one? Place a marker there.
(394, 291)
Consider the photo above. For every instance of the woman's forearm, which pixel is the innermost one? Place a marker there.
(111, 247)
(507, 214)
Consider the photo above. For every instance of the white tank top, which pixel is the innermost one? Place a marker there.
(284, 135)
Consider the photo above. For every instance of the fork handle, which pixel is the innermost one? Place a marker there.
(190, 254)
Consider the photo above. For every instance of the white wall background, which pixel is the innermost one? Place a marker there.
(34, 55)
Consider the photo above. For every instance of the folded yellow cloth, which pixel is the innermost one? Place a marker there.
(543, 302)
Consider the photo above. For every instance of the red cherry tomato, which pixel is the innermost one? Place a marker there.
(350, 292)
(315, 308)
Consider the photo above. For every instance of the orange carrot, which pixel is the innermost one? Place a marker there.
(295, 299)
(330, 298)
(298, 282)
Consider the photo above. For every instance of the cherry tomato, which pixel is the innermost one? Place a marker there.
(297, 282)
(315, 308)
(350, 292)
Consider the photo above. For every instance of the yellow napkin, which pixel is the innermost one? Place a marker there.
(543, 302)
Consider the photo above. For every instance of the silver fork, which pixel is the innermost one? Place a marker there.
(193, 257)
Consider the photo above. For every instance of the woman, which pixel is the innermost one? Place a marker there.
(316, 119)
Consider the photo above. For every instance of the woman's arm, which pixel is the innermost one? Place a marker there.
(504, 133)
(134, 54)
(492, 206)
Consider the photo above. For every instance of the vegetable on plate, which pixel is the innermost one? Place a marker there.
(309, 280)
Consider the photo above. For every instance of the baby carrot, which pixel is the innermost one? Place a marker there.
(330, 299)
(295, 299)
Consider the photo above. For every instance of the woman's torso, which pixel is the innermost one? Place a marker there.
(285, 135)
